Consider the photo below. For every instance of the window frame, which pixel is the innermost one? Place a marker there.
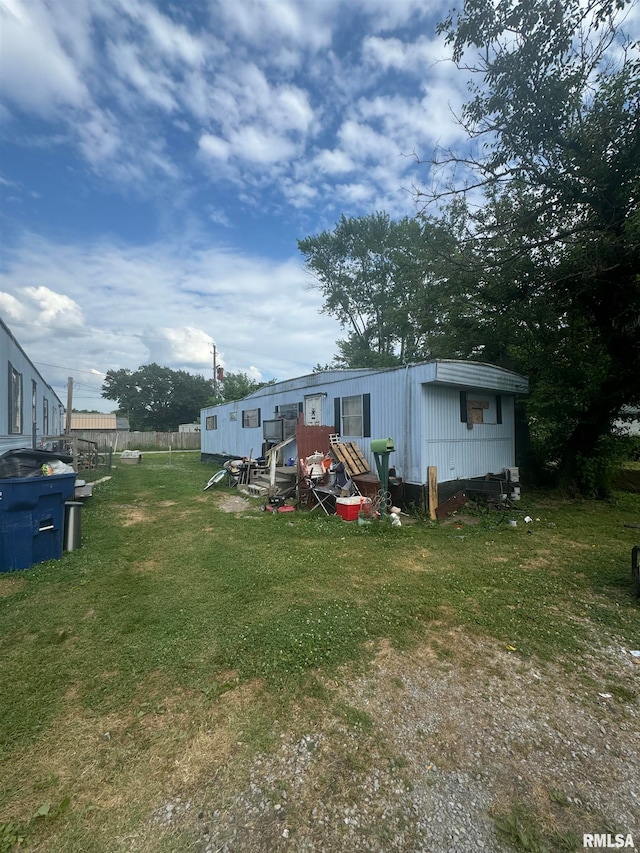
(251, 418)
(356, 417)
(15, 401)
(364, 416)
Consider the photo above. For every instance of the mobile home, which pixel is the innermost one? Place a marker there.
(457, 416)
(29, 407)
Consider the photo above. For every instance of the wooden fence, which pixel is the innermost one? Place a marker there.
(142, 440)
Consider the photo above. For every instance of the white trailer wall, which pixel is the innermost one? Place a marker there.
(35, 403)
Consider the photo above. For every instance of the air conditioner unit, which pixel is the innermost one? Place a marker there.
(513, 474)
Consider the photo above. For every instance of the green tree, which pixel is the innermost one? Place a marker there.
(554, 130)
(157, 398)
(368, 270)
(235, 386)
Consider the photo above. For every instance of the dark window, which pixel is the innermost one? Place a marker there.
(288, 411)
(463, 407)
(15, 401)
(272, 431)
(251, 418)
(45, 416)
(212, 422)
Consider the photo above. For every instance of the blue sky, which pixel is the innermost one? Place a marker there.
(159, 161)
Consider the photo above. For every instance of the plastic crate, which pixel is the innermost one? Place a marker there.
(32, 519)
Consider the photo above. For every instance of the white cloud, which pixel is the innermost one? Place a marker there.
(356, 193)
(263, 22)
(99, 136)
(189, 345)
(53, 310)
(213, 146)
(259, 145)
(163, 303)
(172, 39)
(292, 109)
(153, 84)
(12, 307)
(410, 57)
(334, 162)
(258, 89)
(364, 144)
(384, 15)
(37, 74)
(218, 216)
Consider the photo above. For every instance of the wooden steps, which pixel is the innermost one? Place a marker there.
(286, 477)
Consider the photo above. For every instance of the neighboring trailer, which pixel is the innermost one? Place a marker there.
(29, 407)
(455, 415)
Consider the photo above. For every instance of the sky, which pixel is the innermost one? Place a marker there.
(160, 160)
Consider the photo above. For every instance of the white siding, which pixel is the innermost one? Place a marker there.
(474, 374)
(12, 353)
(456, 450)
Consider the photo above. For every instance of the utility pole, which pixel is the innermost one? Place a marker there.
(215, 372)
(69, 403)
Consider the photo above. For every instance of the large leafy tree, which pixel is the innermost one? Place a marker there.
(554, 130)
(157, 398)
(368, 270)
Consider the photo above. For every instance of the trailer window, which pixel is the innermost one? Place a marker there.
(15, 401)
(251, 418)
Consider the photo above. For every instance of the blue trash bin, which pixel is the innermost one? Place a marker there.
(32, 519)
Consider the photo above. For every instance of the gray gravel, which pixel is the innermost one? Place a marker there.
(421, 756)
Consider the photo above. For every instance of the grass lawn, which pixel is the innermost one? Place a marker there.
(169, 643)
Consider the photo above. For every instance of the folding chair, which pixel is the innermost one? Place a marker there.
(324, 498)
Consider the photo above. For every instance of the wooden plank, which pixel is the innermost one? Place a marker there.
(451, 505)
(359, 463)
(352, 458)
(432, 480)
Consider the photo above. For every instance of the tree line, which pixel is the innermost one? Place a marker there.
(526, 249)
(159, 399)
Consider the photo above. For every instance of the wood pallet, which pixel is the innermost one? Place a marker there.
(351, 457)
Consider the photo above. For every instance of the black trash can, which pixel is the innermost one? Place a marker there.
(72, 525)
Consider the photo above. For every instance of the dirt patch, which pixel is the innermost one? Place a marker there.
(234, 503)
(10, 584)
(133, 514)
(114, 759)
(145, 567)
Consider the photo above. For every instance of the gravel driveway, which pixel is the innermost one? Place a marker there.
(482, 751)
